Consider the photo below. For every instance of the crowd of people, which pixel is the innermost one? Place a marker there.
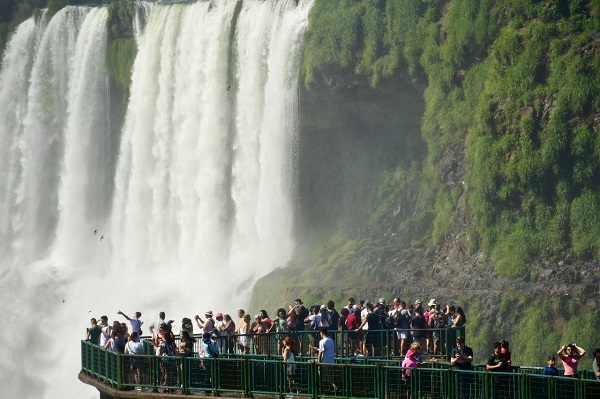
(416, 330)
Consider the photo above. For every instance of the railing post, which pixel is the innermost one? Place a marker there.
(379, 381)
(119, 373)
(183, 370)
(314, 382)
(247, 378)
(215, 372)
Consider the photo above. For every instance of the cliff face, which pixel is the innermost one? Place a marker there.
(450, 150)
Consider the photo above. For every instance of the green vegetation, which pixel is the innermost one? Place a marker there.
(512, 88)
(512, 98)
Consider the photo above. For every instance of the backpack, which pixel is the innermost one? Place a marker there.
(325, 320)
(302, 314)
(438, 320)
(334, 319)
(400, 320)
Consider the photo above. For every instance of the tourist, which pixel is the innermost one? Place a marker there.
(240, 314)
(167, 349)
(402, 324)
(124, 330)
(458, 317)
(93, 333)
(264, 317)
(334, 318)
(229, 329)
(371, 334)
(117, 341)
(343, 327)
(437, 322)
(280, 326)
(187, 325)
(596, 363)
(418, 307)
(504, 348)
(106, 331)
(352, 323)
(136, 323)
(550, 370)
(411, 361)
(259, 338)
(351, 305)
(301, 312)
(220, 329)
(243, 332)
(292, 322)
(186, 344)
(326, 356)
(210, 347)
(418, 326)
(449, 312)
(289, 356)
(313, 321)
(498, 361)
(206, 325)
(135, 347)
(570, 355)
(461, 359)
(155, 325)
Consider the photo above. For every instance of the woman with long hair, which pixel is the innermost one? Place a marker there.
(166, 348)
(186, 344)
(289, 356)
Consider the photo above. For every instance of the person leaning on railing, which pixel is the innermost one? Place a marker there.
(135, 347)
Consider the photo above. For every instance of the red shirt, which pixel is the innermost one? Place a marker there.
(351, 321)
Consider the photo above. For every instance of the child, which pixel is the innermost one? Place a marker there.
(550, 369)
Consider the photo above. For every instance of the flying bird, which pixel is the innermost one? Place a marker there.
(228, 87)
(95, 231)
(102, 238)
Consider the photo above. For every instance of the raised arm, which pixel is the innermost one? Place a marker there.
(581, 351)
(124, 315)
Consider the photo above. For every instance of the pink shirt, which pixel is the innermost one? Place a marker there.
(410, 363)
(570, 365)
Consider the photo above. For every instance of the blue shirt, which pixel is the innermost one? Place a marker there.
(550, 371)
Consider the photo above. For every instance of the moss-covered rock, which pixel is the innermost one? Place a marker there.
(507, 191)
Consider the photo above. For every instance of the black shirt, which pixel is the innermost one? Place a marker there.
(462, 364)
(499, 358)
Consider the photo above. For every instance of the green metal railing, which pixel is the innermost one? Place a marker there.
(349, 378)
(383, 343)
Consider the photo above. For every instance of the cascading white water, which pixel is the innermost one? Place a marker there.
(196, 204)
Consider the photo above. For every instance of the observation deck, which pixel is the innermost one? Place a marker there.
(263, 373)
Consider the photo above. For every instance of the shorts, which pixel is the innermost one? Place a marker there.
(402, 334)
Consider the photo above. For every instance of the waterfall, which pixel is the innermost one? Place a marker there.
(180, 211)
